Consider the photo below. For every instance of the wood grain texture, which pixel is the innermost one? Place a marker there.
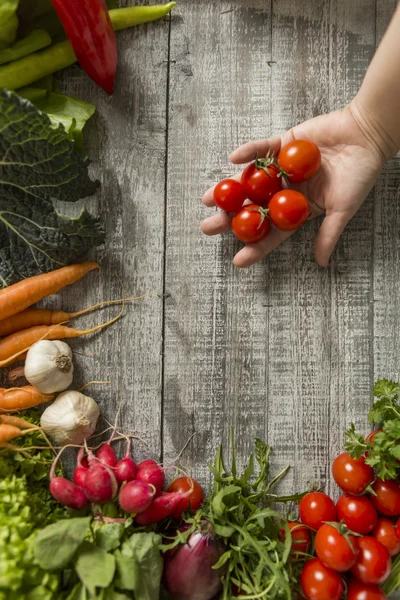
(216, 317)
(282, 350)
(387, 249)
(126, 142)
(352, 45)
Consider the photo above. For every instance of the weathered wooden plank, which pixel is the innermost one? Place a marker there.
(352, 44)
(387, 249)
(216, 317)
(299, 341)
(126, 142)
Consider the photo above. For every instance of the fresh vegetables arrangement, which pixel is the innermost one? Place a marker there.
(41, 129)
(88, 26)
(126, 533)
(262, 185)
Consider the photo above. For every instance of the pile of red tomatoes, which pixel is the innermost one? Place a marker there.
(354, 538)
(262, 184)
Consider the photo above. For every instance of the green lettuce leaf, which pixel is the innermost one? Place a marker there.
(39, 165)
(72, 113)
(8, 22)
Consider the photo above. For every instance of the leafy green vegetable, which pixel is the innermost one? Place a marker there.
(39, 164)
(8, 22)
(25, 506)
(72, 113)
(238, 510)
(20, 573)
(95, 567)
(139, 566)
(384, 452)
(109, 536)
(56, 544)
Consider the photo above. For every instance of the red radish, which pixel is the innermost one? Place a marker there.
(136, 496)
(82, 466)
(67, 493)
(100, 483)
(80, 476)
(150, 472)
(125, 470)
(107, 456)
(161, 507)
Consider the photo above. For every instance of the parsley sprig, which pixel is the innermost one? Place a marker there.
(383, 453)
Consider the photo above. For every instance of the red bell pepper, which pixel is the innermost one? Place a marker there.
(90, 32)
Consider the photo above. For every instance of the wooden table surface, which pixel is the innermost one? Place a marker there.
(286, 350)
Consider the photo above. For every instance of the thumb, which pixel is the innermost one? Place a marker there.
(328, 235)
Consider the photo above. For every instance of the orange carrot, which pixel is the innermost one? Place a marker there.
(19, 296)
(15, 399)
(8, 432)
(17, 422)
(32, 317)
(15, 345)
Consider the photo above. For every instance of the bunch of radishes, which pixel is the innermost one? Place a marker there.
(100, 477)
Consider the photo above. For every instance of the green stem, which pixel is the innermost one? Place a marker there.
(25, 71)
(34, 41)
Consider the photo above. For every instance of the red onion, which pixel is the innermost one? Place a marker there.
(188, 573)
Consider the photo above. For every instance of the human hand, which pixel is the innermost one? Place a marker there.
(351, 163)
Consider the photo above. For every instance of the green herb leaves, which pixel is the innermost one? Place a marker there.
(239, 512)
(38, 164)
(383, 452)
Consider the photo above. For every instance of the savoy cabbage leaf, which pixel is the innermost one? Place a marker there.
(39, 164)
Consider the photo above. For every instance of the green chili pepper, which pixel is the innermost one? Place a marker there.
(26, 70)
(122, 18)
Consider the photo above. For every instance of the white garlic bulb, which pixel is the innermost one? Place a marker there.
(49, 367)
(71, 418)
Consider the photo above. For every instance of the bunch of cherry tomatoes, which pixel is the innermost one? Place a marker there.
(354, 539)
(262, 184)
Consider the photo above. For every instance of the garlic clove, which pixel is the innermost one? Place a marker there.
(49, 366)
(71, 418)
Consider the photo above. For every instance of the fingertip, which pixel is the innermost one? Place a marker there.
(218, 223)
(248, 256)
(208, 197)
(328, 236)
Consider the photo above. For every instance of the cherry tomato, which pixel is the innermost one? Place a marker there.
(387, 499)
(352, 474)
(385, 533)
(320, 583)
(335, 547)
(301, 538)
(250, 224)
(359, 591)
(315, 508)
(229, 195)
(261, 181)
(357, 512)
(288, 210)
(194, 501)
(300, 160)
(373, 562)
(398, 528)
(371, 436)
